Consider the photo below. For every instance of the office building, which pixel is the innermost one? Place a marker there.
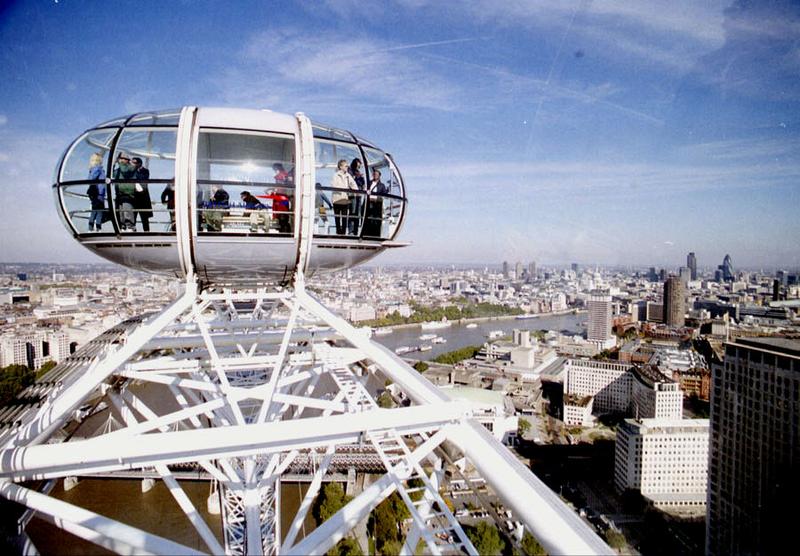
(602, 387)
(753, 483)
(34, 349)
(599, 323)
(725, 270)
(674, 310)
(518, 271)
(505, 269)
(691, 262)
(532, 270)
(666, 460)
(686, 274)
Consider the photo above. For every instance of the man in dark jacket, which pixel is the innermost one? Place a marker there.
(219, 200)
(258, 215)
(141, 196)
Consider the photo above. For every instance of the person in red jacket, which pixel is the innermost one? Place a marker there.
(281, 209)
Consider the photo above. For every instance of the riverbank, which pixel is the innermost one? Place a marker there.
(487, 319)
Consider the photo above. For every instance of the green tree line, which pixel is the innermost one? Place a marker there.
(421, 313)
(15, 378)
(453, 357)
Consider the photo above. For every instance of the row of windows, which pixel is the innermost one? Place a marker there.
(123, 180)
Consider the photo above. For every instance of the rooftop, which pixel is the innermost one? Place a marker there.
(780, 345)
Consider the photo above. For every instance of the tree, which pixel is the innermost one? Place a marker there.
(45, 368)
(485, 538)
(13, 380)
(384, 524)
(531, 546)
(453, 357)
(523, 427)
(391, 548)
(421, 366)
(385, 400)
(346, 547)
(615, 539)
(329, 501)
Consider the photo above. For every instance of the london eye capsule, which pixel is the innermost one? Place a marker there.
(230, 196)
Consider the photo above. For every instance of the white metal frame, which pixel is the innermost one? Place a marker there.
(247, 408)
(256, 378)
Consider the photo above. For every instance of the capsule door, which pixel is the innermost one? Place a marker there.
(244, 201)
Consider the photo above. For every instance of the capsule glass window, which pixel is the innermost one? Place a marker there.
(336, 194)
(245, 182)
(88, 157)
(142, 173)
(86, 207)
(386, 197)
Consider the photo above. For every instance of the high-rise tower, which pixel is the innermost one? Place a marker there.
(691, 262)
(674, 310)
(599, 324)
(726, 269)
(753, 483)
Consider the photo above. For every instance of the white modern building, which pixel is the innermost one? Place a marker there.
(492, 409)
(608, 383)
(666, 460)
(599, 323)
(34, 349)
(654, 395)
(642, 392)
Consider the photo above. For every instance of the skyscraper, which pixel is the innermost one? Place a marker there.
(726, 269)
(674, 310)
(685, 274)
(599, 324)
(505, 269)
(574, 267)
(532, 270)
(753, 483)
(518, 271)
(691, 262)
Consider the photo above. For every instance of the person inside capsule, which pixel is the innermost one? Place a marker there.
(97, 193)
(343, 182)
(256, 212)
(125, 192)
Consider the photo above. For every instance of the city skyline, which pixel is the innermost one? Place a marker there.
(558, 132)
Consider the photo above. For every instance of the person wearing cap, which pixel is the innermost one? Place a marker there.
(125, 192)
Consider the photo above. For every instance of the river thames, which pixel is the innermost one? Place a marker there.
(459, 336)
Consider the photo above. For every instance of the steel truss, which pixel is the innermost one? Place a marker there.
(254, 379)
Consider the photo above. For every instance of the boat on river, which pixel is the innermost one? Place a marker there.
(433, 325)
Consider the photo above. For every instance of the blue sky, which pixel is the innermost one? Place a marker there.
(603, 132)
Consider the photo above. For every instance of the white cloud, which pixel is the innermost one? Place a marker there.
(3, 119)
(665, 33)
(334, 69)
